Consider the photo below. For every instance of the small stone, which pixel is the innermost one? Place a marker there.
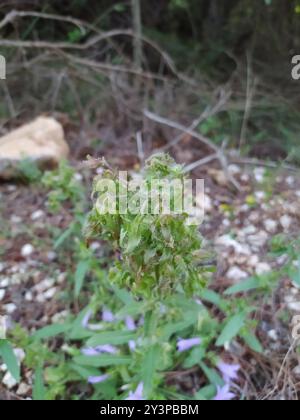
(236, 274)
(15, 220)
(259, 174)
(27, 250)
(259, 240)
(10, 308)
(51, 256)
(9, 381)
(253, 261)
(263, 268)
(37, 215)
(2, 294)
(44, 285)
(271, 225)
(286, 222)
(50, 293)
(29, 297)
(290, 180)
(273, 335)
(294, 306)
(234, 169)
(23, 389)
(260, 195)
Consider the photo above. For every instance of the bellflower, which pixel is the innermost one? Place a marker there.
(184, 345)
(86, 319)
(137, 395)
(98, 379)
(96, 351)
(229, 372)
(224, 394)
(107, 316)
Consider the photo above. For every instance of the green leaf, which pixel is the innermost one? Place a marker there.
(149, 366)
(133, 243)
(39, 391)
(52, 331)
(212, 375)
(102, 361)
(63, 237)
(245, 286)
(232, 328)
(212, 297)
(133, 309)
(9, 358)
(111, 337)
(81, 271)
(252, 341)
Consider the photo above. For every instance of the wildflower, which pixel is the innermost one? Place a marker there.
(130, 324)
(184, 345)
(98, 379)
(224, 394)
(107, 316)
(229, 372)
(95, 351)
(137, 395)
(86, 319)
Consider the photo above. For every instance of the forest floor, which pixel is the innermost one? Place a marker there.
(240, 227)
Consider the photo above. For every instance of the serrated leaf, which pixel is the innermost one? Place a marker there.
(9, 358)
(232, 328)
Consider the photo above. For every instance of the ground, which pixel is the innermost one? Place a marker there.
(238, 228)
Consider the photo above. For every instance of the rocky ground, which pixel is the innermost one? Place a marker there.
(238, 227)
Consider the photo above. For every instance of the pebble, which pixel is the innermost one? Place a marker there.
(271, 225)
(23, 389)
(9, 381)
(51, 256)
(37, 215)
(27, 250)
(286, 222)
(236, 274)
(10, 308)
(15, 219)
(29, 297)
(259, 240)
(50, 293)
(273, 335)
(44, 285)
(263, 268)
(294, 306)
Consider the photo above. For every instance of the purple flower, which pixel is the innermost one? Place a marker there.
(95, 351)
(137, 395)
(184, 345)
(224, 394)
(98, 379)
(132, 345)
(130, 324)
(107, 316)
(86, 319)
(90, 352)
(229, 372)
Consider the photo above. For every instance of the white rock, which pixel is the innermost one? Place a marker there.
(249, 230)
(273, 335)
(271, 225)
(2, 294)
(9, 381)
(42, 140)
(286, 222)
(23, 389)
(51, 256)
(263, 268)
(234, 169)
(253, 261)
(236, 274)
(50, 293)
(29, 297)
(294, 306)
(259, 174)
(227, 241)
(259, 240)
(260, 195)
(290, 180)
(27, 250)
(37, 215)
(10, 308)
(44, 285)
